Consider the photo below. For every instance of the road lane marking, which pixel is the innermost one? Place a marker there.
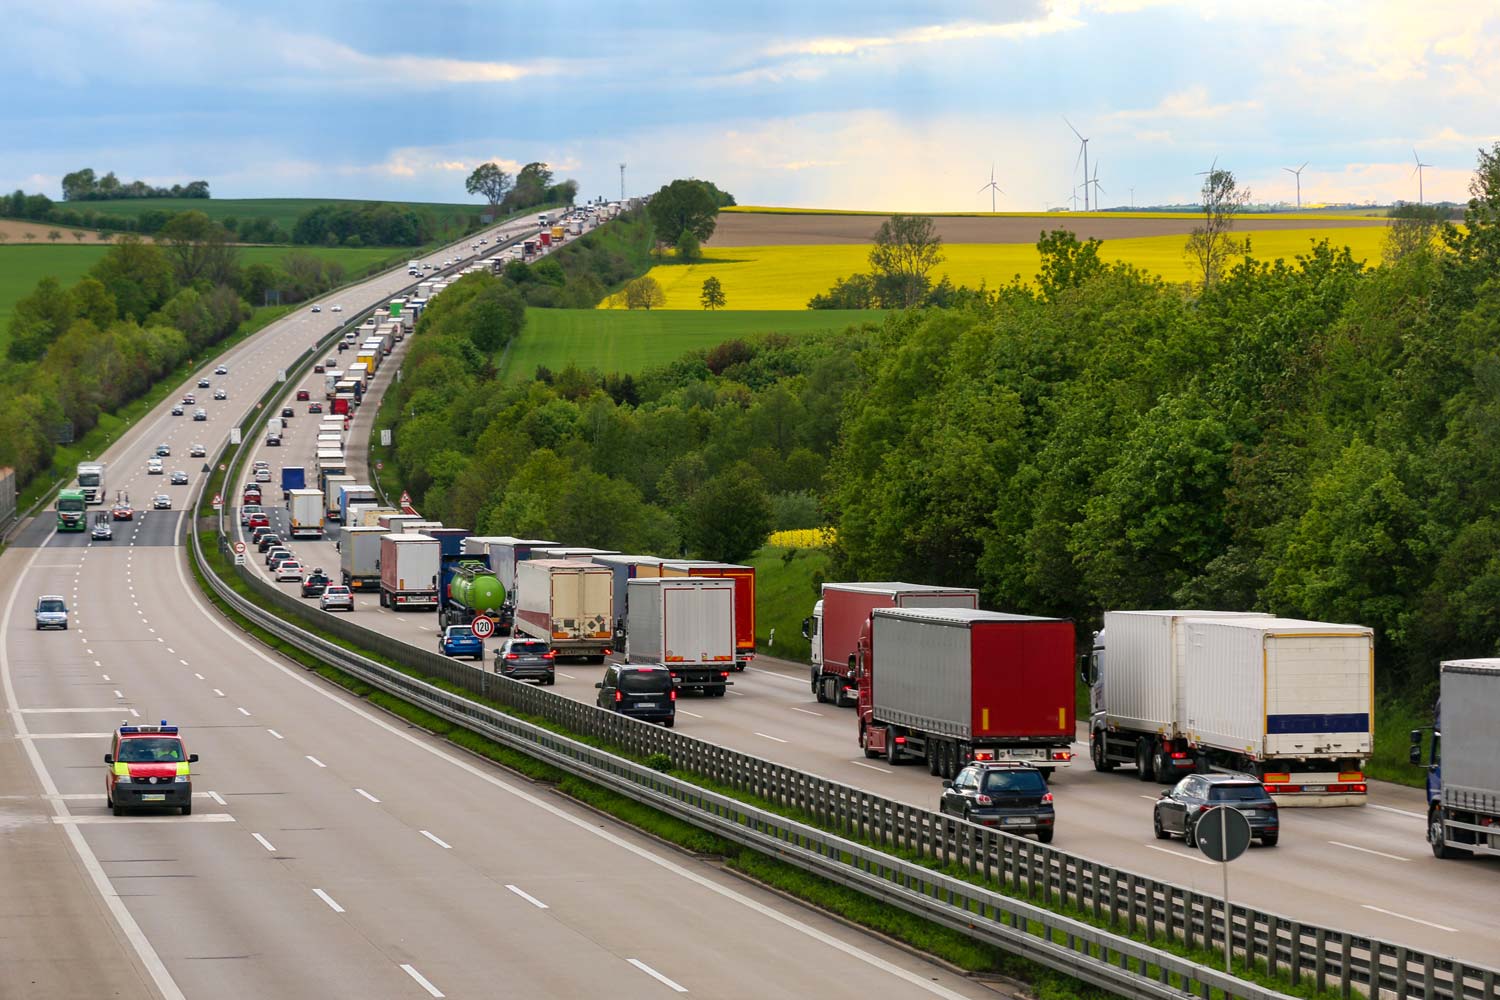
(528, 897)
(335, 907)
(242, 710)
(118, 694)
(217, 798)
(1366, 850)
(64, 736)
(568, 676)
(683, 711)
(218, 692)
(422, 981)
(105, 676)
(767, 736)
(1399, 812)
(315, 760)
(882, 770)
(367, 795)
(806, 712)
(264, 842)
(1179, 854)
(432, 837)
(200, 676)
(656, 975)
(134, 714)
(195, 818)
(1415, 920)
(738, 694)
(275, 734)
(183, 662)
(1149, 798)
(59, 711)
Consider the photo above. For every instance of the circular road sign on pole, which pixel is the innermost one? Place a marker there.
(484, 626)
(239, 548)
(1223, 835)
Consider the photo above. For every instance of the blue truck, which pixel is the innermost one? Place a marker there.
(1463, 761)
(293, 477)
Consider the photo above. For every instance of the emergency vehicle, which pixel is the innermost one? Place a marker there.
(148, 766)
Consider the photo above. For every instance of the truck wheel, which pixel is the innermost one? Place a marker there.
(1440, 849)
(817, 687)
(1163, 770)
(1143, 761)
(1099, 750)
(893, 753)
(933, 767)
(830, 690)
(864, 743)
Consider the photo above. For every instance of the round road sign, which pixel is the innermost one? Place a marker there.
(484, 626)
(1223, 833)
(239, 548)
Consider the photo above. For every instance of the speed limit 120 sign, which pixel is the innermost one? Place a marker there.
(239, 548)
(483, 626)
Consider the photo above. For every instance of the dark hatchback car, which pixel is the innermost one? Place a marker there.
(1005, 794)
(315, 583)
(1179, 807)
(526, 659)
(641, 692)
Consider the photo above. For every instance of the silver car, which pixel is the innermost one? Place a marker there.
(525, 658)
(51, 612)
(336, 597)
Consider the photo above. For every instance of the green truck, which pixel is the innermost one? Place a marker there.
(72, 510)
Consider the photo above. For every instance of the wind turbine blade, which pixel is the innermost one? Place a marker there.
(1079, 159)
(1414, 155)
(1304, 166)
(1075, 131)
(1289, 170)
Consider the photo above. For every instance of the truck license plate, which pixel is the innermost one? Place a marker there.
(153, 798)
(1315, 788)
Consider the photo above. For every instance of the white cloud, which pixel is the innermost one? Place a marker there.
(1192, 103)
(1054, 20)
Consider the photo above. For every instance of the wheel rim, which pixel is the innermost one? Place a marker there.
(1435, 829)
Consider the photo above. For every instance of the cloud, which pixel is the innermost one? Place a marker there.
(962, 31)
(1192, 103)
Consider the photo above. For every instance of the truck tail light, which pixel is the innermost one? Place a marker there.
(1179, 755)
(607, 651)
(900, 740)
(1354, 787)
(1062, 755)
(1283, 789)
(1277, 779)
(1351, 776)
(984, 755)
(724, 673)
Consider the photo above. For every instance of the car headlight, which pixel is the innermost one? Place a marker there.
(123, 779)
(181, 779)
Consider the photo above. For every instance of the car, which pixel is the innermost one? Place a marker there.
(273, 440)
(1011, 795)
(314, 584)
(336, 596)
(221, 394)
(161, 502)
(177, 410)
(258, 520)
(427, 266)
(204, 383)
(1178, 809)
(262, 475)
(200, 414)
(163, 450)
(343, 346)
(639, 691)
(154, 467)
(317, 309)
(330, 363)
(287, 571)
(260, 463)
(179, 478)
(287, 412)
(268, 541)
(303, 395)
(103, 530)
(338, 309)
(276, 554)
(148, 766)
(251, 493)
(247, 511)
(460, 640)
(318, 369)
(221, 370)
(189, 400)
(122, 511)
(197, 451)
(525, 658)
(51, 612)
(314, 407)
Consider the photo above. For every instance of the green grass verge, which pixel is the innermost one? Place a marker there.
(784, 595)
(1395, 718)
(620, 340)
(282, 211)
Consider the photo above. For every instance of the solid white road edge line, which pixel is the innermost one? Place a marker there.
(143, 948)
(421, 980)
(1415, 920)
(676, 988)
(335, 907)
(196, 818)
(1366, 850)
(527, 896)
(912, 979)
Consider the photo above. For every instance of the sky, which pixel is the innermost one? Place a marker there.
(873, 104)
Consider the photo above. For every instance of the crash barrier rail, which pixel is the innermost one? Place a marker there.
(1108, 960)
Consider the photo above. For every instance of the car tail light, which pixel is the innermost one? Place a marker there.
(672, 694)
(549, 655)
(1047, 799)
(983, 800)
(512, 656)
(619, 696)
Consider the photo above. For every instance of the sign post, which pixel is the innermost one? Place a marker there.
(239, 553)
(1224, 834)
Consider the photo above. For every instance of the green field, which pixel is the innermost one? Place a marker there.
(282, 211)
(783, 597)
(611, 340)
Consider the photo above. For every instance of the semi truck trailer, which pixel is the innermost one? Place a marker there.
(409, 567)
(953, 685)
(744, 599)
(686, 625)
(359, 556)
(91, 481)
(1463, 761)
(307, 511)
(568, 603)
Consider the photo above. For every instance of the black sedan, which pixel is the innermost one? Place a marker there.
(1179, 808)
(1006, 794)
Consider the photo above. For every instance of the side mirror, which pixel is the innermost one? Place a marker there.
(1416, 737)
(1415, 755)
(599, 685)
(1166, 793)
(109, 758)
(947, 783)
(192, 758)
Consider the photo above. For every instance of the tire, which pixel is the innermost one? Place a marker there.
(739, 667)
(1189, 835)
(893, 754)
(1161, 769)
(933, 767)
(669, 723)
(1143, 761)
(865, 745)
(830, 694)
(1440, 850)
(1157, 828)
(1270, 839)
(818, 692)
(1098, 750)
(118, 809)
(1045, 836)
(187, 807)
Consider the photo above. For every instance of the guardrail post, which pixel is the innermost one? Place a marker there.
(1401, 990)
(1296, 939)
(1130, 915)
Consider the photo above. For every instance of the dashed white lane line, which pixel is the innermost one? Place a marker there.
(118, 694)
(200, 676)
(422, 981)
(105, 676)
(218, 692)
(264, 842)
(275, 734)
(767, 736)
(872, 767)
(568, 676)
(683, 711)
(367, 795)
(335, 907)
(1179, 854)
(1399, 812)
(1415, 920)
(1366, 850)
(806, 712)
(181, 661)
(134, 714)
(527, 896)
(195, 818)
(315, 760)
(242, 710)
(674, 987)
(65, 711)
(436, 840)
(218, 798)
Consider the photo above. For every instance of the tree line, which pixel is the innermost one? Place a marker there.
(85, 185)
(532, 185)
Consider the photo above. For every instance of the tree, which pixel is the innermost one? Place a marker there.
(907, 248)
(644, 293)
(689, 249)
(54, 235)
(1066, 263)
(29, 235)
(138, 275)
(79, 184)
(713, 294)
(684, 206)
(489, 181)
(729, 517)
(1210, 246)
(198, 248)
(78, 235)
(39, 319)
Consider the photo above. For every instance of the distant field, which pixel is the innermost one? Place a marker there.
(1306, 215)
(282, 211)
(785, 277)
(632, 341)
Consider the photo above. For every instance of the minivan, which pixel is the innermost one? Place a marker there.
(639, 691)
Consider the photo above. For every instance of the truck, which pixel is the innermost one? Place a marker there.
(409, 567)
(395, 522)
(570, 552)
(471, 589)
(569, 603)
(954, 685)
(343, 403)
(627, 568)
(91, 481)
(744, 598)
(1463, 763)
(274, 427)
(686, 624)
(1285, 700)
(833, 628)
(557, 234)
(72, 510)
(293, 477)
(351, 493)
(370, 517)
(306, 514)
(331, 483)
(505, 552)
(359, 557)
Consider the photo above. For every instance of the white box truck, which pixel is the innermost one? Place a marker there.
(686, 624)
(307, 513)
(359, 556)
(409, 567)
(569, 603)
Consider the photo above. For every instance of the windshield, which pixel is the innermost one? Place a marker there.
(1014, 782)
(88, 479)
(70, 505)
(461, 632)
(1236, 793)
(51, 606)
(151, 750)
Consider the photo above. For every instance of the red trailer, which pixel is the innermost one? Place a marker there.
(952, 685)
(744, 599)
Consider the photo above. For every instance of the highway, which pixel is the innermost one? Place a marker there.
(332, 851)
(1366, 869)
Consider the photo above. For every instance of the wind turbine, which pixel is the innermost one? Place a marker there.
(1074, 199)
(992, 188)
(1083, 155)
(1095, 184)
(1298, 174)
(1418, 172)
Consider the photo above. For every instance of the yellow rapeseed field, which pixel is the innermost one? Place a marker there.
(1060, 217)
(785, 277)
(802, 538)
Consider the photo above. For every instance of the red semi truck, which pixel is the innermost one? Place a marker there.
(833, 629)
(953, 685)
(744, 599)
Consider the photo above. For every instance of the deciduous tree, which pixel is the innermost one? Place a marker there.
(712, 296)
(684, 206)
(644, 293)
(1212, 245)
(907, 248)
(490, 182)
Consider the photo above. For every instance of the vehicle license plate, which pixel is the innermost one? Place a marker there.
(1016, 820)
(153, 798)
(645, 704)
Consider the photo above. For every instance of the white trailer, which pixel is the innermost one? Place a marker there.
(570, 603)
(307, 513)
(359, 556)
(687, 625)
